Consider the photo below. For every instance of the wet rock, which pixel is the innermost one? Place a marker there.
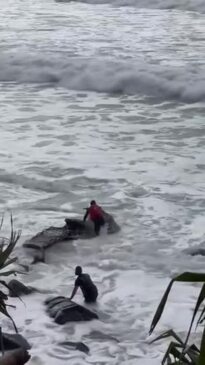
(38, 255)
(17, 289)
(72, 230)
(80, 229)
(15, 357)
(47, 238)
(64, 310)
(97, 335)
(80, 346)
(112, 226)
(197, 251)
(13, 341)
(24, 266)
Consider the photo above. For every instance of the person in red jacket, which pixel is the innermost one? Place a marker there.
(96, 215)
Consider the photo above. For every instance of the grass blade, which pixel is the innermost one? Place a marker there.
(160, 308)
(168, 334)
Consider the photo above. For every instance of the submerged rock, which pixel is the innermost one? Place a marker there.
(98, 335)
(47, 238)
(64, 310)
(13, 341)
(193, 251)
(199, 251)
(17, 289)
(80, 346)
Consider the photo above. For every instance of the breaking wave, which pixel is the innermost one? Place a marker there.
(186, 84)
(187, 5)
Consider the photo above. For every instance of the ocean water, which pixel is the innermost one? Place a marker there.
(105, 100)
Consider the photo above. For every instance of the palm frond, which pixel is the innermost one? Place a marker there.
(169, 333)
(201, 360)
(14, 237)
(185, 277)
(179, 352)
(6, 261)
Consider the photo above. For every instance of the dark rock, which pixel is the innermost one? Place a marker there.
(17, 289)
(80, 346)
(112, 226)
(13, 341)
(64, 310)
(73, 229)
(195, 251)
(200, 251)
(15, 357)
(80, 229)
(97, 335)
(48, 237)
(38, 255)
(50, 302)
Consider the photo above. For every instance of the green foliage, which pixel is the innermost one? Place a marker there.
(179, 352)
(5, 261)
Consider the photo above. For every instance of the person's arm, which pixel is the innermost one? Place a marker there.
(74, 292)
(86, 214)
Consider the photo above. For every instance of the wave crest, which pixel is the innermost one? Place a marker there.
(187, 5)
(185, 83)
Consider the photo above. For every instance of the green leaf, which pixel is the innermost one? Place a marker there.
(160, 308)
(13, 291)
(12, 242)
(2, 220)
(192, 277)
(168, 334)
(6, 253)
(185, 277)
(193, 353)
(9, 262)
(200, 299)
(3, 296)
(201, 360)
(7, 273)
(3, 310)
(5, 261)
(173, 349)
(201, 317)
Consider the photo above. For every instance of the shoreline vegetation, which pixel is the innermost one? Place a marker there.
(17, 356)
(180, 352)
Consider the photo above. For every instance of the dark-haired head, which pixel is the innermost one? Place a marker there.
(78, 270)
(93, 202)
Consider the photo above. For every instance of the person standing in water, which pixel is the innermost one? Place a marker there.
(87, 286)
(96, 215)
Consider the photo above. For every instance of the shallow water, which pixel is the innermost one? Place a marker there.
(105, 101)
